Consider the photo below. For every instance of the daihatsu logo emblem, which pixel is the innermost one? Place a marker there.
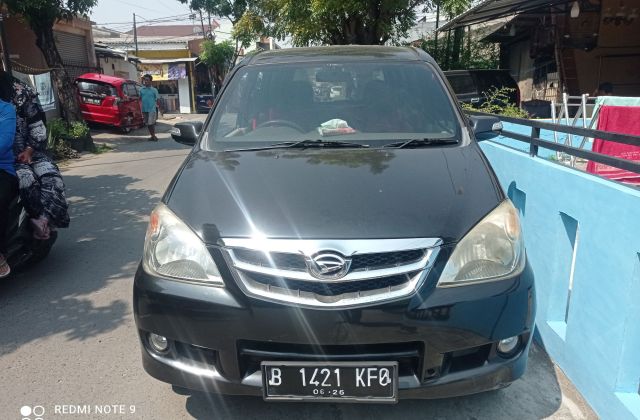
(328, 266)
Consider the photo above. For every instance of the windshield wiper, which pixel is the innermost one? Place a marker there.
(304, 144)
(420, 143)
(318, 143)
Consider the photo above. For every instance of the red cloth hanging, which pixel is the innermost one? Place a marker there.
(623, 120)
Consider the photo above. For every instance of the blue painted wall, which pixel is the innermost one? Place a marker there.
(571, 218)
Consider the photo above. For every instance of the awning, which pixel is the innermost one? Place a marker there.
(493, 9)
(167, 60)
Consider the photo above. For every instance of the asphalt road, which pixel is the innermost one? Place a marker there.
(68, 341)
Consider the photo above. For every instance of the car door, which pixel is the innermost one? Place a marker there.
(132, 103)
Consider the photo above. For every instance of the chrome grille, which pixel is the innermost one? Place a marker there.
(287, 271)
(331, 288)
(386, 259)
(296, 262)
(274, 259)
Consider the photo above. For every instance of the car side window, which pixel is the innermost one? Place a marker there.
(130, 90)
(461, 83)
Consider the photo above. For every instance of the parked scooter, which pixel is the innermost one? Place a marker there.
(23, 250)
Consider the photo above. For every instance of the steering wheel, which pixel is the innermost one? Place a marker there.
(285, 123)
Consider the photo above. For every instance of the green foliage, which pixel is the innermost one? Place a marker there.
(324, 22)
(452, 8)
(217, 55)
(498, 102)
(78, 130)
(63, 135)
(248, 28)
(474, 53)
(57, 129)
(339, 22)
(231, 9)
(45, 12)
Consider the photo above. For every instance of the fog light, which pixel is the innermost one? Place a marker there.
(158, 343)
(507, 346)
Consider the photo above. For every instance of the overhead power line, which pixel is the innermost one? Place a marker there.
(160, 19)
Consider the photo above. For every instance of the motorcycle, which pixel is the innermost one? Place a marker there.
(23, 250)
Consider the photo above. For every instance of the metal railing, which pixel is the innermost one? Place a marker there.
(568, 102)
(535, 142)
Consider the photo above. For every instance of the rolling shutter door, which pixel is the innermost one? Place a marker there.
(72, 48)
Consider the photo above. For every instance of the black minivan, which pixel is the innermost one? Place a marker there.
(472, 86)
(335, 234)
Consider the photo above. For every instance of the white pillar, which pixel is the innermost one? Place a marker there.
(184, 96)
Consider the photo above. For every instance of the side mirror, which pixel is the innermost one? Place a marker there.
(187, 132)
(485, 127)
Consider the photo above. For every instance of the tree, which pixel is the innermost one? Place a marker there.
(339, 22)
(454, 8)
(231, 9)
(477, 54)
(219, 58)
(234, 10)
(248, 28)
(41, 15)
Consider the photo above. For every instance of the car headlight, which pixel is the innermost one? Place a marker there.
(492, 250)
(171, 249)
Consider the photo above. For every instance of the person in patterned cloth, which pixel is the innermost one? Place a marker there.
(40, 182)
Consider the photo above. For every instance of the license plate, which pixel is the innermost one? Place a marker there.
(331, 381)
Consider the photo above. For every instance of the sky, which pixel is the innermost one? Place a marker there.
(119, 13)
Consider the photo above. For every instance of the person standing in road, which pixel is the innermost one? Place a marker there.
(149, 96)
(8, 179)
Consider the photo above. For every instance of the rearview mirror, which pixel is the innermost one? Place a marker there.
(333, 76)
(187, 132)
(485, 127)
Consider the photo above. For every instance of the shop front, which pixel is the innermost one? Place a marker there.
(172, 79)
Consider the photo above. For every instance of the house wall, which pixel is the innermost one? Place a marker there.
(21, 41)
(581, 236)
(616, 58)
(118, 67)
(81, 27)
(26, 57)
(618, 66)
(159, 54)
(21, 44)
(521, 67)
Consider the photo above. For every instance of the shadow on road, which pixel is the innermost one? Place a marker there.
(67, 293)
(537, 395)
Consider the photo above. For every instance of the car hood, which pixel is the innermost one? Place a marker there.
(335, 194)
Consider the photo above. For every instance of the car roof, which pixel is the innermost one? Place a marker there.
(338, 53)
(112, 80)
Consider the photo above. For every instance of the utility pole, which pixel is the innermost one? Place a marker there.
(135, 33)
(5, 49)
(435, 48)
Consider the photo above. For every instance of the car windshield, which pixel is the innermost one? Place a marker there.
(362, 102)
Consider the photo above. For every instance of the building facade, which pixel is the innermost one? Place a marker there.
(164, 52)
(564, 46)
(74, 40)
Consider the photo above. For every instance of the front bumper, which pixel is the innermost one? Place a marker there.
(443, 338)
